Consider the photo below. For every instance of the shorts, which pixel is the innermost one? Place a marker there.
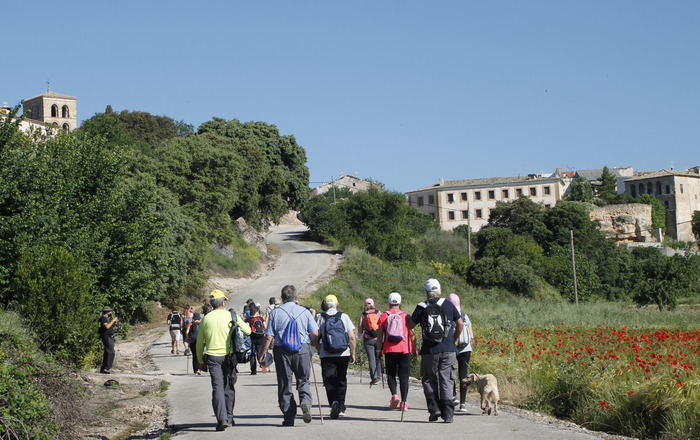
(175, 335)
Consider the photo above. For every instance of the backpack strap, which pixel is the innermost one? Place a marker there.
(422, 305)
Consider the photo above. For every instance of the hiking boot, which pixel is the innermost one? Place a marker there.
(374, 382)
(449, 419)
(288, 423)
(172, 351)
(462, 408)
(307, 413)
(394, 402)
(335, 409)
(455, 401)
(403, 406)
(342, 411)
(253, 373)
(433, 417)
(221, 426)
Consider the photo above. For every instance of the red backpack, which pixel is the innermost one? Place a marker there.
(370, 323)
(257, 326)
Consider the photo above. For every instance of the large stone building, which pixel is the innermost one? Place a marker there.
(679, 191)
(354, 184)
(453, 202)
(52, 109)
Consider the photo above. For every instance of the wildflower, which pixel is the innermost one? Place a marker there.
(604, 405)
(629, 393)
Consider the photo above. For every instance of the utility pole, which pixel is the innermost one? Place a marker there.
(573, 265)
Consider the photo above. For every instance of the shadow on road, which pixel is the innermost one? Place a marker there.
(319, 251)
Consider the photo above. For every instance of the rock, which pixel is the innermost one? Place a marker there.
(625, 223)
(111, 383)
(251, 236)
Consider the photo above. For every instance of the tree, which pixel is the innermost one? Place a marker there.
(581, 191)
(608, 186)
(696, 224)
(522, 216)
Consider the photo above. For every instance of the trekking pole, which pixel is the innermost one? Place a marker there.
(318, 398)
(381, 364)
(187, 367)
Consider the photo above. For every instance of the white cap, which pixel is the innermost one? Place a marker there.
(432, 286)
(394, 299)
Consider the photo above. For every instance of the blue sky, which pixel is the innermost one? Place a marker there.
(403, 92)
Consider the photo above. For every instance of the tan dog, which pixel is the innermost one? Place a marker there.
(488, 389)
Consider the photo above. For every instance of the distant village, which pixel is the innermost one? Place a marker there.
(452, 203)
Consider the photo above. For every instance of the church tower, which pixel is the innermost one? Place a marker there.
(52, 109)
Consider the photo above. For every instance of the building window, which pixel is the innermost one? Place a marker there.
(450, 198)
(478, 213)
(464, 196)
(519, 192)
(547, 190)
(658, 188)
(66, 127)
(681, 188)
(477, 195)
(641, 188)
(666, 203)
(506, 193)
(533, 191)
(431, 200)
(650, 188)
(668, 189)
(465, 214)
(65, 112)
(433, 214)
(451, 215)
(547, 206)
(54, 111)
(633, 190)
(492, 194)
(420, 201)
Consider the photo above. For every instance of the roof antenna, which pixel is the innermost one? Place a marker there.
(48, 86)
(672, 166)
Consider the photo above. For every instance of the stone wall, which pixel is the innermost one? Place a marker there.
(625, 223)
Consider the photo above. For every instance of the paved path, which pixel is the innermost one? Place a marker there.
(256, 412)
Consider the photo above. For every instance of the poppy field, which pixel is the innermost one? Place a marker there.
(632, 381)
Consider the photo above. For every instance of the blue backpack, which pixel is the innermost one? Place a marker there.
(290, 338)
(335, 337)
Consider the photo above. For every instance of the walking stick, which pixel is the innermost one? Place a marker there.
(318, 398)
(187, 367)
(381, 363)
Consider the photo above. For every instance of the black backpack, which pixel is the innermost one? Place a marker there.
(194, 330)
(434, 323)
(175, 321)
(239, 342)
(335, 337)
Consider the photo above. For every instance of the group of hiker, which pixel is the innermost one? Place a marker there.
(290, 331)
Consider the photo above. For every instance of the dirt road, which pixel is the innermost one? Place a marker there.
(256, 412)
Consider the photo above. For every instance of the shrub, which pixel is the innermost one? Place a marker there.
(55, 297)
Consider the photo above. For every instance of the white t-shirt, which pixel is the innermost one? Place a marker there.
(349, 326)
(467, 326)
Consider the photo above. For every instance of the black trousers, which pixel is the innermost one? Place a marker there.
(335, 378)
(256, 346)
(401, 363)
(195, 362)
(462, 372)
(108, 354)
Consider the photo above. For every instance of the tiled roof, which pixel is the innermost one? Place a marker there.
(51, 95)
(662, 173)
(488, 181)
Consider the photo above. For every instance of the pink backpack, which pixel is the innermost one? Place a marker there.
(395, 326)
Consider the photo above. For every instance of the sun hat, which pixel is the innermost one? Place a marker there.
(106, 309)
(331, 299)
(216, 294)
(432, 286)
(394, 298)
(369, 302)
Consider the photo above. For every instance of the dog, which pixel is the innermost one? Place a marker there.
(488, 390)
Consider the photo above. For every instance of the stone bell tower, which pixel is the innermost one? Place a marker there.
(52, 109)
